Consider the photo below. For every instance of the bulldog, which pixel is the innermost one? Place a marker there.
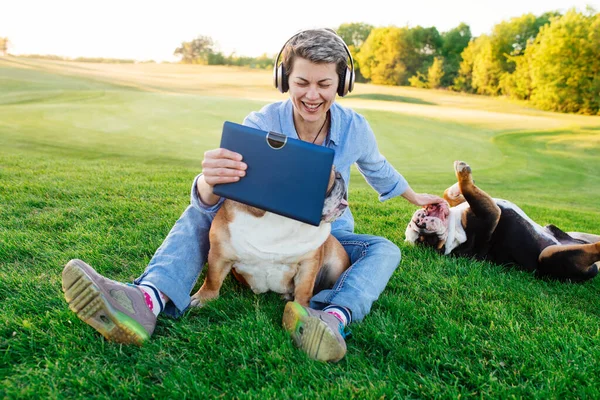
(473, 224)
(269, 252)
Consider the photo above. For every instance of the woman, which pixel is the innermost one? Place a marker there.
(314, 69)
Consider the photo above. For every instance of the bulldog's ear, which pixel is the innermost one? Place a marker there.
(410, 235)
(440, 245)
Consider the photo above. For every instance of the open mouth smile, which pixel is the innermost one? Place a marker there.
(311, 107)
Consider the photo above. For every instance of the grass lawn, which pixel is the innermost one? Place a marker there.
(96, 162)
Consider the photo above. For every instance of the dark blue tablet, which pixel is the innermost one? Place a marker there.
(285, 176)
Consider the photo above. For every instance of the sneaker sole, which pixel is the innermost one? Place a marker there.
(86, 300)
(311, 334)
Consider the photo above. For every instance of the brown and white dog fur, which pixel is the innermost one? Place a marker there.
(269, 252)
(474, 224)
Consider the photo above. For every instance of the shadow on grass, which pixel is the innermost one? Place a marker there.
(389, 97)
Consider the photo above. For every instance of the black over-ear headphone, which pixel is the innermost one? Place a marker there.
(346, 78)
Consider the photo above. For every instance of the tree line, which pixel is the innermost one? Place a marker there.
(201, 50)
(551, 60)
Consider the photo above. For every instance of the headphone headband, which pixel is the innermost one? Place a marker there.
(346, 79)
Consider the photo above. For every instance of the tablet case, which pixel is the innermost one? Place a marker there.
(285, 176)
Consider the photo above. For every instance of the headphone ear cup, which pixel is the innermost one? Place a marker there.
(350, 75)
(276, 76)
(279, 78)
(342, 83)
(346, 82)
(284, 79)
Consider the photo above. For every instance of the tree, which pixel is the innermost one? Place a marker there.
(493, 57)
(419, 81)
(391, 55)
(514, 37)
(464, 81)
(433, 79)
(427, 41)
(424, 45)
(435, 73)
(487, 68)
(198, 51)
(355, 35)
(565, 66)
(454, 43)
(518, 85)
(3, 46)
(510, 38)
(382, 56)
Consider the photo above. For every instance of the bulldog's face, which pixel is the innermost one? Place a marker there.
(429, 226)
(336, 199)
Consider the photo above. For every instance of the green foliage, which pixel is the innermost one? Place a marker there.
(419, 81)
(391, 55)
(488, 64)
(487, 67)
(380, 57)
(435, 73)
(510, 38)
(454, 43)
(426, 44)
(215, 59)
(262, 62)
(354, 35)
(197, 51)
(464, 80)
(565, 64)
(433, 79)
(202, 51)
(518, 84)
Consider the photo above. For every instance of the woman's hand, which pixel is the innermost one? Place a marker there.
(421, 199)
(424, 199)
(219, 166)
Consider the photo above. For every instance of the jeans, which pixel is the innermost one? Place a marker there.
(176, 265)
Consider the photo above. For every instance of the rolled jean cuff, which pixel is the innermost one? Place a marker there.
(197, 202)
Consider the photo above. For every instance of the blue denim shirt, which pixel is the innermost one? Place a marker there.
(353, 141)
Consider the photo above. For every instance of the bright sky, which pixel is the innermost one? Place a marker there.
(149, 29)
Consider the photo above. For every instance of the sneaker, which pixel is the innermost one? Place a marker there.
(319, 334)
(116, 310)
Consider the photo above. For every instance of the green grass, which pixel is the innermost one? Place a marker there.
(96, 162)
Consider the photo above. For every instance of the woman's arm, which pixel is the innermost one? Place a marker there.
(421, 199)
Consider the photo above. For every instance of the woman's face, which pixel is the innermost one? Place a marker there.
(312, 88)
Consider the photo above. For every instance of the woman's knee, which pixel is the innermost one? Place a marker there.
(388, 248)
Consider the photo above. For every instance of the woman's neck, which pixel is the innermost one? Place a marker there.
(314, 132)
